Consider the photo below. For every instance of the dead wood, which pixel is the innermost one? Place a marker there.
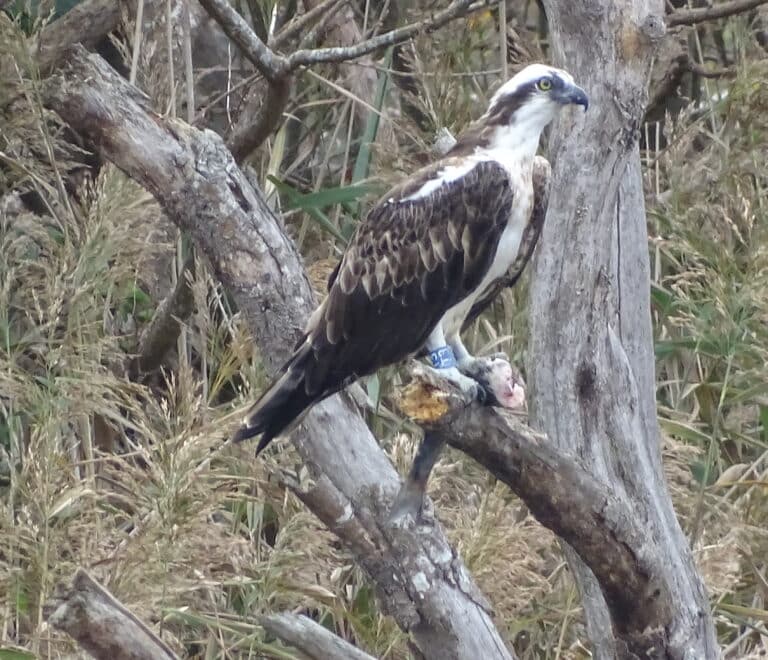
(101, 624)
(703, 14)
(591, 354)
(87, 23)
(564, 496)
(314, 641)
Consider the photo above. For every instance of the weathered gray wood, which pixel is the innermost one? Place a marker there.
(102, 625)
(87, 23)
(420, 580)
(591, 373)
(313, 640)
(583, 510)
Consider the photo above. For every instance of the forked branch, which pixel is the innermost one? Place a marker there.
(274, 66)
(563, 495)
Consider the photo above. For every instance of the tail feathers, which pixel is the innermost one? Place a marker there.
(282, 404)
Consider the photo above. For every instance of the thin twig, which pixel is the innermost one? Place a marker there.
(186, 27)
(298, 24)
(275, 66)
(704, 72)
(248, 135)
(678, 68)
(137, 33)
(457, 9)
(503, 39)
(700, 15)
(271, 65)
(321, 26)
(169, 44)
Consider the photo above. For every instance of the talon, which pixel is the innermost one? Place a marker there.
(501, 384)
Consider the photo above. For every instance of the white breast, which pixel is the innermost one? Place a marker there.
(509, 243)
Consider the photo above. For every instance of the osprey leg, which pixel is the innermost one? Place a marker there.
(441, 356)
(502, 383)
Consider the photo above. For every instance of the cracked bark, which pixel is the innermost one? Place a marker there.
(419, 579)
(591, 373)
(101, 624)
(603, 529)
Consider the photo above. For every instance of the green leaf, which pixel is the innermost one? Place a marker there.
(373, 386)
(363, 160)
(293, 199)
(669, 347)
(137, 302)
(764, 422)
(702, 473)
(12, 653)
(322, 198)
(664, 299)
(685, 431)
(750, 612)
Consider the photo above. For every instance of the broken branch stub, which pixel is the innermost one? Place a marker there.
(101, 624)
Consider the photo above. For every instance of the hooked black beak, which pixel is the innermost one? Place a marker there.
(573, 94)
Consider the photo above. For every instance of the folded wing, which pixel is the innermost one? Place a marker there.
(408, 263)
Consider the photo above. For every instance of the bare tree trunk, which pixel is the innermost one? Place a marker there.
(592, 360)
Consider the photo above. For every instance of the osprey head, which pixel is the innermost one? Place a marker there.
(523, 106)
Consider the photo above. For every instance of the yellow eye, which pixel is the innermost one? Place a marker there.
(545, 84)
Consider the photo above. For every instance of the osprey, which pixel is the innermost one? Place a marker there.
(429, 256)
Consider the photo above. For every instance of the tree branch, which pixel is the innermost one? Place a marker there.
(313, 640)
(253, 127)
(297, 25)
(101, 624)
(274, 66)
(700, 15)
(164, 328)
(562, 495)
(87, 23)
(323, 55)
(271, 65)
(419, 579)
(276, 69)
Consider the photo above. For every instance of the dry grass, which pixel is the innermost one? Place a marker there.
(131, 480)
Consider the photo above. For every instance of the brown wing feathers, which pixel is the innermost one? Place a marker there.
(406, 265)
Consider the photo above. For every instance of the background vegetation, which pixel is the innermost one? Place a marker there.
(127, 473)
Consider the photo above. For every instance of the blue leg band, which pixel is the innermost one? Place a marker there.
(442, 358)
